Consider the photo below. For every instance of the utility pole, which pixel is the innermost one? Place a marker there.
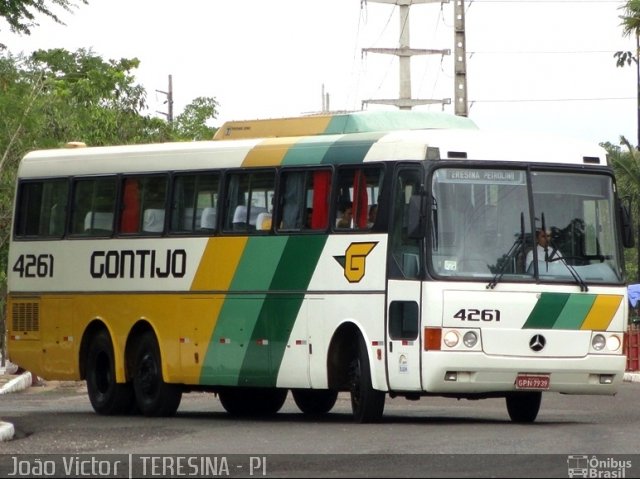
(325, 101)
(169, 95)
(405, 52)
(460, 50)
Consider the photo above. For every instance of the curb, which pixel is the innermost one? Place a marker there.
(632, 377)
(16, 384)
(6, 431)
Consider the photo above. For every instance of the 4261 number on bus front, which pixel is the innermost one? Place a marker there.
(466, 314)
(34, 266)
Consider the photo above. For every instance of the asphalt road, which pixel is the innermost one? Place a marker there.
(433, 437)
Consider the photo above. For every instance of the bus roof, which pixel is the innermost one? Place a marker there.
(341, 123)
(439, 143)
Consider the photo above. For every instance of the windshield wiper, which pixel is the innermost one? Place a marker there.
(519, 242)
(578, 279)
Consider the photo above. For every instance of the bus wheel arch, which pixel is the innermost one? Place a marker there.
(342, 351)
(349, 369)
(98, 367)
(153, 396)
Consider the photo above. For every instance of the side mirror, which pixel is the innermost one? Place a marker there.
(626, 226)
(415, 217)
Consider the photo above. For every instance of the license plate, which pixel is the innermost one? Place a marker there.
(539, 382)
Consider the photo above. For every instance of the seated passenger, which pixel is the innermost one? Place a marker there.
(346, 218)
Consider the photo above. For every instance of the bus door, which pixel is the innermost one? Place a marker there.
(404, 288)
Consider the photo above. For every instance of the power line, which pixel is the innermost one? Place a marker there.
(534, 100)
(621, 2)
(539, 52)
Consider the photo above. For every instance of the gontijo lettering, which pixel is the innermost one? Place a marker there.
(141, 263)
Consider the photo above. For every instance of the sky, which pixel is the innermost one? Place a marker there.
(540, 65)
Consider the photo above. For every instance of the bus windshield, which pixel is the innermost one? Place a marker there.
(486, 225)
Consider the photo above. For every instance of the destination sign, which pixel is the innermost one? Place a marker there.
(481, 176)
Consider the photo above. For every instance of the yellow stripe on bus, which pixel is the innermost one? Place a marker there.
(269, 152)
(218, 264)
(602, 312)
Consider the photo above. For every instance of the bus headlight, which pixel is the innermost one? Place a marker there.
(613, 343)
(470, 339)
(451, 339)
(598, 342)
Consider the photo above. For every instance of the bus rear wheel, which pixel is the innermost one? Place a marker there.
(153, 396)
(314, 401)
(367, 403)
(524, 407)
(252, 401)
(106, 395)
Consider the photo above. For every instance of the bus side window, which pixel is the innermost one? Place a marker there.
(249, 194)
(194, 203)
(143, 204)
(42, 208)
(305, 200)
(94, 202)
(356, 197)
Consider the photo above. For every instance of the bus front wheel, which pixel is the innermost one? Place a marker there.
(153, 396)
(367, 403)
(524, 407)
(252, 401)
(106, 395)
(314, 401)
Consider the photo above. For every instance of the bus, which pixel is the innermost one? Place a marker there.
(371, 253)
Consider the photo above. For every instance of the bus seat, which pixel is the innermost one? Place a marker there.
(253, 214)
(263, 222)
(208, 219)
(96, 220)
(240, 218)
(153, 221)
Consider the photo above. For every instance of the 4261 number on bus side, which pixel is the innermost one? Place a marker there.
(468, 314)
(34, 266)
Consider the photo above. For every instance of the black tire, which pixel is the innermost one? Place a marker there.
(252, 401)
(367, 403)
(315, 401)
(154, 397)
(524, 407)
(106, 395)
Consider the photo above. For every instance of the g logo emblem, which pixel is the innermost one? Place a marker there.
(354, 260)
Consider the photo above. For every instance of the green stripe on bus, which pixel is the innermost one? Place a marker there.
(239, 314)
(575, 311)
(351, 150)
(280, 311)
(308, 151)
(546, 311)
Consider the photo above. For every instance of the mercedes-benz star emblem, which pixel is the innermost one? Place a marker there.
(537, 342)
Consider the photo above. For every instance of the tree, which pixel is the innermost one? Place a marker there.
(626, 165)
(21, 14)
(631, 25)
(191, 124)
(93, 100)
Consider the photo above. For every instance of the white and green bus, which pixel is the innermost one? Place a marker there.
(381, 253)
